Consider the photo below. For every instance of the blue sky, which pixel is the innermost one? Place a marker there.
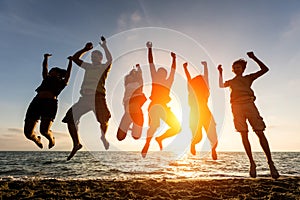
(225, 30)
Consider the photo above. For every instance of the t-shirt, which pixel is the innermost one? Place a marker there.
(160, 92)
(133, 85)
(240, 87)
(94, 78)
(52, 84)
(198, 90)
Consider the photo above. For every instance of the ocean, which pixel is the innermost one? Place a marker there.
(121, 165)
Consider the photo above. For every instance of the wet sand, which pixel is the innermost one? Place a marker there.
(239, 188)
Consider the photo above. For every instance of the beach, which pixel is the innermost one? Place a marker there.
(107, 175)
(237, 188)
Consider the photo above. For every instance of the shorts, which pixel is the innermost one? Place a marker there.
(40, 108)
(161, 111)
(86, 103)
(247, 111)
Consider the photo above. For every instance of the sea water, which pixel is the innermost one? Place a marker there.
(121, 165)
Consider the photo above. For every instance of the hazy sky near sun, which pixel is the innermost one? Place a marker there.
(222, 31)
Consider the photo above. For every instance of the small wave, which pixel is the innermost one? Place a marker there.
(11, 171)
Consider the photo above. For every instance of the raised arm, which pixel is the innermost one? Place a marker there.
(263, 68)
(187, 73)
(173, 68)
(67, 77)
(205, 75)
(106, 51)
(139, 74)
(76, 57)
(150, 59)
(45, 65)
(221, 82)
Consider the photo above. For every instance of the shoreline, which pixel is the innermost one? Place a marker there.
(287, 187)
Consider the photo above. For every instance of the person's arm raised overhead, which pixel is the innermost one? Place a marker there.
(173, 68)
(221, 82)
(205, 75)
(139, 73)
(106, 51)
(67, 77)
(45, 65)
(138, 68)
(150, 59)
(263, 68)
(186, 71)
(76, 57)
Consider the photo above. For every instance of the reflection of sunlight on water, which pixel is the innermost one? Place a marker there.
(129, 165)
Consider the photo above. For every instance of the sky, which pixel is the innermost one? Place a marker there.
(216, 31)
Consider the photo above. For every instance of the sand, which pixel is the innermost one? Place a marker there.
(247, 188)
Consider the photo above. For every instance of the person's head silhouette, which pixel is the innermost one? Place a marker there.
(96, 57)
(239, 66)
(162, 73)
(57, 72)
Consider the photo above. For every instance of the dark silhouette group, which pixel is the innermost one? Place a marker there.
(43, 107)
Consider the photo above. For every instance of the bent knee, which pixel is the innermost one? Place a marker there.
(176, 128)
(29, 134)
(136, 137)
(121, 134)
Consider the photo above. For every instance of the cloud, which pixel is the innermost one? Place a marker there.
(13, 139)
(135, 17)
(293, 29)
(128, 21)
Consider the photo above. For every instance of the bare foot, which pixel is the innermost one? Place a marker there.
(51, 142)
(105, 142)
(37, 141)
(159, 143)
(274, 172)
(252, 171)
(193, 149)
(145, 150)
(74, 150)
(214, 154)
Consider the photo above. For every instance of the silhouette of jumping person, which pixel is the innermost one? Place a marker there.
(44, 105)
(93, 94)
(133, 100)
(243, 108)
(200, 115)
(160, 96)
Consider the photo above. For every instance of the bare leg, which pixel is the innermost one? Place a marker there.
(136, 131)
(30, 134)
(103, 128)
(214, 152)
(247, 147)
(123, 127)
(211, 132)
(45, 131)
(174, 129)
(197, 137)
(265, 146)
(138, 122)
(150, 134)
(74, 135)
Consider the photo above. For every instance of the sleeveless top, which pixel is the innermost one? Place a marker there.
(52, 84)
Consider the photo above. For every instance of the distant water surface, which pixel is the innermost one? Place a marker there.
(121, 165)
